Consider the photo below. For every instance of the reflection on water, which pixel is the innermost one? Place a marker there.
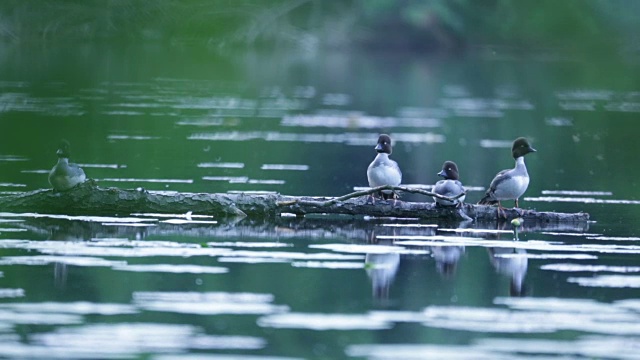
(169, 286)
(381, 259)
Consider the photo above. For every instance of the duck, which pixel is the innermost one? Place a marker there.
(450, 186)
(510, 184)
(65, 175)
(384, 171)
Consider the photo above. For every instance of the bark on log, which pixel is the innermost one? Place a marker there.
(89, 199)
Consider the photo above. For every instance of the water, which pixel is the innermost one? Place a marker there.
(189, 286)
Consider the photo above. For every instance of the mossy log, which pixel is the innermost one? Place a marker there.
(89, 199)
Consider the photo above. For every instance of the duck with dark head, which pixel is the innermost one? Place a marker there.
(510, 184)
(64, 174)
(384, 171)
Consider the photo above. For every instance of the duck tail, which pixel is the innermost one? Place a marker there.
(487, 200)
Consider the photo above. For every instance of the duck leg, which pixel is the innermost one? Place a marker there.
(501, 210)
(517, 208)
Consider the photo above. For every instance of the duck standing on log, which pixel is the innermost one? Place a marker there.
(510, 184)
(64, 174)
(450, 187)
(384, 171)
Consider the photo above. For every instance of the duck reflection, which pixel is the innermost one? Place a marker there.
(511, 262)
(381, 267)
(382, 270)
(446, 258)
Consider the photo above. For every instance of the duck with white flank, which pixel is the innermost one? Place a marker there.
(510, 184)
(450, 187)
(384, 171)
(64, 174)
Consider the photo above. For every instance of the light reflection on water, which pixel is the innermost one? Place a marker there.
(163, 286)
(380, 267)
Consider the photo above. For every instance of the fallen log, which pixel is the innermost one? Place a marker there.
(90, 199)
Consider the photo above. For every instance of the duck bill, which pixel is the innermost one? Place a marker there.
(441, 173)
(378, 147)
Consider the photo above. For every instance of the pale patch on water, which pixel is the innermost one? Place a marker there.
(78, 308)
(224, 165)
(336, 99)
(614, 238)
(39, 171)
(12, 230)
(12, 185)
(284, 255)
(220, 357)
(590, 268)
(128, 224)
(251, 260)
(529, 316)
(188, 215)
(292, 167)
(422, 351)
(547, 256)
(623, 106)
(13, 158)
(478, 231)
(586, 347)
(585, 94)
(608, 281)
(213, 303)
(100, 219)
(356, 120)
(576, 193)
(164, 181)
(9, 316)
(187, 221)
(201, 123)
(585, 200)
(243, 180)
(230, 179)
(11, 293)
(266, 182)
(11, 192)
(103, 166)
(113, 248)
(577, 105)
(328, 264)
(124, 340)
(357, 139)
(487, 143)
(368, 249)
(250, 244)
(559, 121)
(39, 260)
(128, 113)
(419, 240)
(563, 305)
(568, 233)
(415, 240)
(132, 137)
(321, 322)
(176, 269)
(391, 218)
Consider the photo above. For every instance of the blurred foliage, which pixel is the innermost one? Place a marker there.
(414, 24)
